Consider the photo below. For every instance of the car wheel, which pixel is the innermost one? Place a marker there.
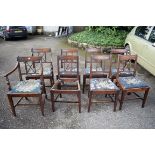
(127, 47)
(4, 37)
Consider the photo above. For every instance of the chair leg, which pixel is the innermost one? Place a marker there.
(52, 101)
(59, 87)
(90, 98)
(26, 98)
(145, 97)
(11, 105)
(79, 79)
(51, 81)
(84, 83)
(42, 102)
(122, 99)
(116, 99)
(79, 101)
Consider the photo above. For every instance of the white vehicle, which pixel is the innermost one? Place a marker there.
(141, 41)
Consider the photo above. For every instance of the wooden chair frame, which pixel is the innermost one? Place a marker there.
(88, 53)
(125, 91)
(43, 52)
(70, 60)
(11, 95)
(112, 93)
(58, 90)
(115, 52)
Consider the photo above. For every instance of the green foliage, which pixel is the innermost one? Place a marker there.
(101, 36)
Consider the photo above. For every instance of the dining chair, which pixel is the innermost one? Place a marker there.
(46, 55)
(130, 84)
(86, 72)
(115, 52)
(21, 88)
(101, 85)
(68, 84)
(73, 64)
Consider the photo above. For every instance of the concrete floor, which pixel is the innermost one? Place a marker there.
(66, 115)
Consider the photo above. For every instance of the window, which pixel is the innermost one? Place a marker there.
(142, 31)
(152, 36)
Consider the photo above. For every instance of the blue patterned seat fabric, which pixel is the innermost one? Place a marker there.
(132, 82)
(102, 84)
(87, 70)
(123, 73)
(28, 86)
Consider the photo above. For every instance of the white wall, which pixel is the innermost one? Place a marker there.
(50, 28)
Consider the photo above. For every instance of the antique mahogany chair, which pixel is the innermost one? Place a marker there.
(46, 55)
(130, 84)
(25, 88)
(115, 53)
(86, 73)
(102, 85)
(61, 63)
(67, 85)
(69, 52)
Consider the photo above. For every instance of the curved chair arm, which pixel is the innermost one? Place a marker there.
(14, 69)
(9, 73)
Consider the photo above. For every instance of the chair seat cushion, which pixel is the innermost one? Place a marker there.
(27, 86)
(102, 84)
(125, 73)
(132, 82)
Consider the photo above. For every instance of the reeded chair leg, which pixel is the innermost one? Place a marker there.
(11, 105)
(145, 97)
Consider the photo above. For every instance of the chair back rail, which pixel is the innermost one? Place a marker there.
(126, 63)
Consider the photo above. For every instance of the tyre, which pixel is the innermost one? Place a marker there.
(127, 47)
(5, 38)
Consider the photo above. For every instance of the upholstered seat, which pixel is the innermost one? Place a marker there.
(122, 73)
(132, 82)
(29, 86)
(102, 84)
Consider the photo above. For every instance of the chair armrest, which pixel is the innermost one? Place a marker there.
(9, 73)
(14, 69)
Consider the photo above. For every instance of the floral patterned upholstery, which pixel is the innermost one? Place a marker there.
(123, 73)
(87, 70)
(102, 84)
(132, 82)
(28, 86)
